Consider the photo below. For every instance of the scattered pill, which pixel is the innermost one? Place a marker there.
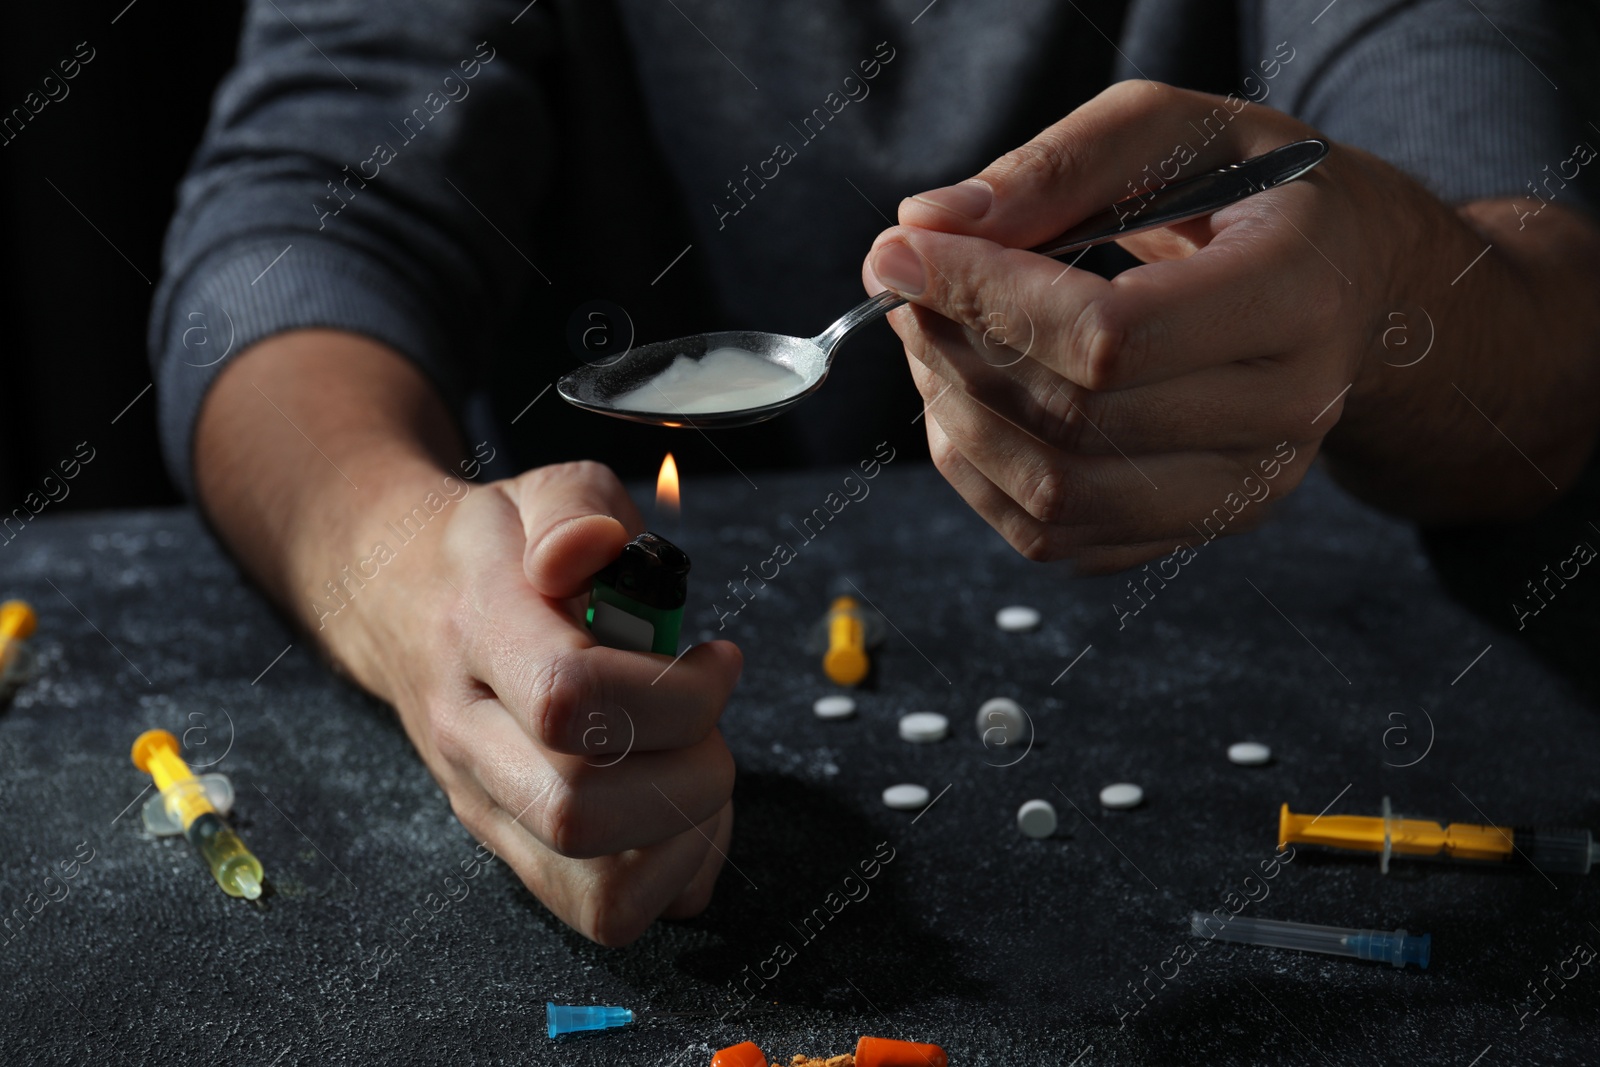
(1001, 722)
(836, 706)
(1122, 795)
(1249, 753)
(1036, 818)
(906, 797)
(924, 726)
(1016, 619)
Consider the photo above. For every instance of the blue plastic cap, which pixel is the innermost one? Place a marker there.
(1415, 950)
(1396, 949)
(572, 1018)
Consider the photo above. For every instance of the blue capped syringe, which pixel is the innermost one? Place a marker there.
(1398, 948)
(562, 1019)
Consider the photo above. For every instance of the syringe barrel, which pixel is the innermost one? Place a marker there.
(1557, 850)
(1397, 948)
(225, 855)
(16, 666)
(1331, 940)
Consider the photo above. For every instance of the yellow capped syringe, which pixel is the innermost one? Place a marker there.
(1552, 850)
(844, 636)
(846, 659)
(194, 806)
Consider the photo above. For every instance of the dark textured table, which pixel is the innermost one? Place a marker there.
(1328, 636)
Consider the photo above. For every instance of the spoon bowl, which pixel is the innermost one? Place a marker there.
(600, 387)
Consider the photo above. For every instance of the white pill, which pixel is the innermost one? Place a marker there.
(1122, 795)
(837, 706)
(1016, 619)
(924, 726)
(905, 797)
(1001, 722)
(1249, 753)
(1036, 818)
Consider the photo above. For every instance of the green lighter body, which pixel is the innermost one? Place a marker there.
(636, 601)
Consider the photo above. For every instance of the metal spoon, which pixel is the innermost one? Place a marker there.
(597, 387)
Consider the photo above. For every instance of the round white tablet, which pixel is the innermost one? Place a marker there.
(1249, 753)
(1016, 619)
(924, 726)
(1122, 795)
(905, 797)
(1036, 818)
(1001, 722)
(836, 706)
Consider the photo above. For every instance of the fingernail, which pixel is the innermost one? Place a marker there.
(969, 199)
(898, 267)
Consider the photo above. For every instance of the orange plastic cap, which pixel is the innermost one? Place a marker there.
(17, 620)
(845, 666)
(148, 744)
(744, 1054)
(846, 659)
(883, 1052)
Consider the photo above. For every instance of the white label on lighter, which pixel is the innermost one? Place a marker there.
(621, 629)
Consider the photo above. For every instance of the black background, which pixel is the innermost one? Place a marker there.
(74, 309)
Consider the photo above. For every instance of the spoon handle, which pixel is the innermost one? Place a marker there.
(871, 309)
(1200, 195)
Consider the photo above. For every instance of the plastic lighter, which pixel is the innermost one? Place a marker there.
(636, 602)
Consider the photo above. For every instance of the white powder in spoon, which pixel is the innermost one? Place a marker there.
(724, 379)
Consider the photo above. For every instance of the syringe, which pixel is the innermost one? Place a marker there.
(1398, 948)
(17, 623)
(194, 807)
(1552, 850)
(564, 1019)
(845, 636)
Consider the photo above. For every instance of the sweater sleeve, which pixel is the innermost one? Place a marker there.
(1476, 99)
(371, 167)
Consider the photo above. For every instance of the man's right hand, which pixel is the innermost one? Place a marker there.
(598, 775)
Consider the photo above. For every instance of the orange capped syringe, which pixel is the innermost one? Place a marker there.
(1552, 850)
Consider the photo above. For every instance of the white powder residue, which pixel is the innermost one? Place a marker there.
(724, 379)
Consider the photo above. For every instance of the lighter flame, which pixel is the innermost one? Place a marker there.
(667, 499)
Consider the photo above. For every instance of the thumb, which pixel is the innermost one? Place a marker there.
(576, 518)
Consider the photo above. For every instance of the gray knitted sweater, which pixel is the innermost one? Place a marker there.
(467, 181)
